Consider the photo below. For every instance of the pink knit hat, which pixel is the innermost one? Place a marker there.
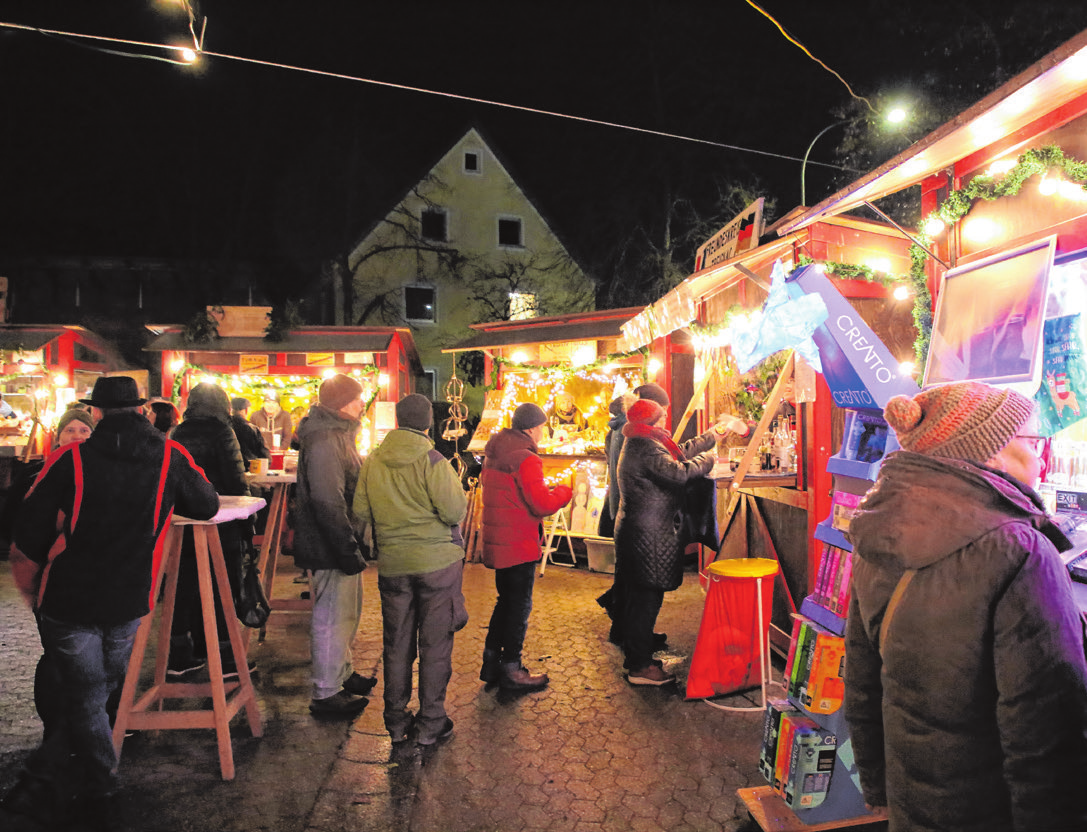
(644, 412)
(962, 420)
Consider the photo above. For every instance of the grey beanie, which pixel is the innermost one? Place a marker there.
(414, 411)
(527, 416)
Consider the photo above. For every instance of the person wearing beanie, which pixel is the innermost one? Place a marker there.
(966, 696)
(515, 500)
(653, 392)
(326, 544)
(250, 439)
(412, 500)
(653, 474)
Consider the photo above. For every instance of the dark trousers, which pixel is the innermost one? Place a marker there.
(509, 621)
(640, 607)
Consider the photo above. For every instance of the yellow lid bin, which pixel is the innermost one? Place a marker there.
(743, 567)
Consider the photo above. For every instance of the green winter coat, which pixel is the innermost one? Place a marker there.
(412, 499)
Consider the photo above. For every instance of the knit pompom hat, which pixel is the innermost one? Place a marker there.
(962, 420)
(414, 411)
(644, 412)
(338, 391)
(653, 392)
(527, 416)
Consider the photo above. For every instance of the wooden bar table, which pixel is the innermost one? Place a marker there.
(274, 529)
(146, 713)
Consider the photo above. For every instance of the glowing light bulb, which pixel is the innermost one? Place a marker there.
(187, 55)
(880, 264)
(383, 380)
(519, 357)
(1047, 187)
(901, 292)
(980, 230)
(176, 365)
(655, 366)
(896, 115)
(934, 226)
(60, 380)
(906, 368)
(1000, 166)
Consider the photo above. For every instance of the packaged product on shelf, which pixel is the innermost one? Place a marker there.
(811, 764)
(771, 729)
(823, 689)
(843, 507)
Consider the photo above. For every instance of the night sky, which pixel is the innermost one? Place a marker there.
(105, 155)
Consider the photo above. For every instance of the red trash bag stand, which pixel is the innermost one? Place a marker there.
(733, 649)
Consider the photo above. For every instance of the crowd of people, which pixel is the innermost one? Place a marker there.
(969, 713)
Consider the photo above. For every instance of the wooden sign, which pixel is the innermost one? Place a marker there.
(320, 359)
(253, 365)
(740, 234)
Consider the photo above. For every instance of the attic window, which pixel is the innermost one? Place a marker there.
(473, 163)
(433, 225)
(510, 233)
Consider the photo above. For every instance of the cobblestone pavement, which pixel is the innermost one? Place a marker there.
(589, 753)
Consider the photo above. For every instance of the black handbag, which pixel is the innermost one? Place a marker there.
(252, 607)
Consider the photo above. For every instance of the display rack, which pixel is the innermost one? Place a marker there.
(843, 804)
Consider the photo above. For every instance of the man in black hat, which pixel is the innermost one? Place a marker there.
(84, 555)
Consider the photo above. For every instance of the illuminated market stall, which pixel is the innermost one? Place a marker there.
(771, 505)
(570, 366)
(288, 371)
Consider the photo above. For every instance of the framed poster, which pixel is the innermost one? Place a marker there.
(989, 316)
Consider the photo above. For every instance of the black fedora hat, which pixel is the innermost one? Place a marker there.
(114, 391)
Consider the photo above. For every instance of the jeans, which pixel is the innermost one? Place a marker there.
(337, 610)
(90, 662)
(419, 615)
(509, 621)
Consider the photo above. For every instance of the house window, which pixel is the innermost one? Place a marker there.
(419, 303)
(473, 162)
(427, 383)
(434, 225)
(522, 305)
(510, 233)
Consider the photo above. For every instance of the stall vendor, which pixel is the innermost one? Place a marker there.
(565, 416)
(274, 424)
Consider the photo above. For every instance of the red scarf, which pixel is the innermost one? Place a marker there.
(657, 435)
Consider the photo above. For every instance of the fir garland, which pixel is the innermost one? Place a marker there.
(564, 371)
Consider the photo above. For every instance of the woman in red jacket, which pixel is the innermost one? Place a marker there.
(515, 500)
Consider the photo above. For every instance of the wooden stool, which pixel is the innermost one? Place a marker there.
(147, 714)
(272, 543)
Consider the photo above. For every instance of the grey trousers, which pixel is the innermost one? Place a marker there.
(419, 614)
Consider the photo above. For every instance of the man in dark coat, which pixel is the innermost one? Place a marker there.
(325, 543)
(250, 439)
(85, 555)
(966, 691)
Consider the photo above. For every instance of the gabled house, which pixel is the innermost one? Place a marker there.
(465, 244)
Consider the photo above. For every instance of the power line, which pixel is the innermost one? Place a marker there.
(404, 88)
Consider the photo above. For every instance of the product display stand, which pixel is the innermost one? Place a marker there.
(843, 803)
(556, 524)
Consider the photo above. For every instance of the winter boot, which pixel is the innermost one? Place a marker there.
(516, 677)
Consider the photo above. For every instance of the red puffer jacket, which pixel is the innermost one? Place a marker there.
(515, 499)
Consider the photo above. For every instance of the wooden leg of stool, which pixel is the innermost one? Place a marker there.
(168, 568)
(201, 534)
(246, 693)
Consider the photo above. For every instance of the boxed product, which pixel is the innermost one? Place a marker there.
(823, 687)
(812, 753)
(843, 507)
(771, 729)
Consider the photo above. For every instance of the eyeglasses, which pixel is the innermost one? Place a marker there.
(1037, 443)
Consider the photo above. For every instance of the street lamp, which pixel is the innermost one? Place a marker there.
(896, 115)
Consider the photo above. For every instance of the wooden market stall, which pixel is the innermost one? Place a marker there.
(767, 510)
(571, 367)
(291, 369)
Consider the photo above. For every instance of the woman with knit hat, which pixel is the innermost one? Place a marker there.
(650, 532)
(966, 696)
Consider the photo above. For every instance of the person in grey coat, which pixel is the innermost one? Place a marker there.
(325, 543)
(966, 691)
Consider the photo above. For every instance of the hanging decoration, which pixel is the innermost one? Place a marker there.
(453, 427)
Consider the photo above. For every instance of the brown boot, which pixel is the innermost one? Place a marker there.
(516, 677)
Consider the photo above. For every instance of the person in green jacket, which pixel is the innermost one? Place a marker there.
(412, 499)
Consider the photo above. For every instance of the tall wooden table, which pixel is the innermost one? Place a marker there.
(274, 528)
(146, 713)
